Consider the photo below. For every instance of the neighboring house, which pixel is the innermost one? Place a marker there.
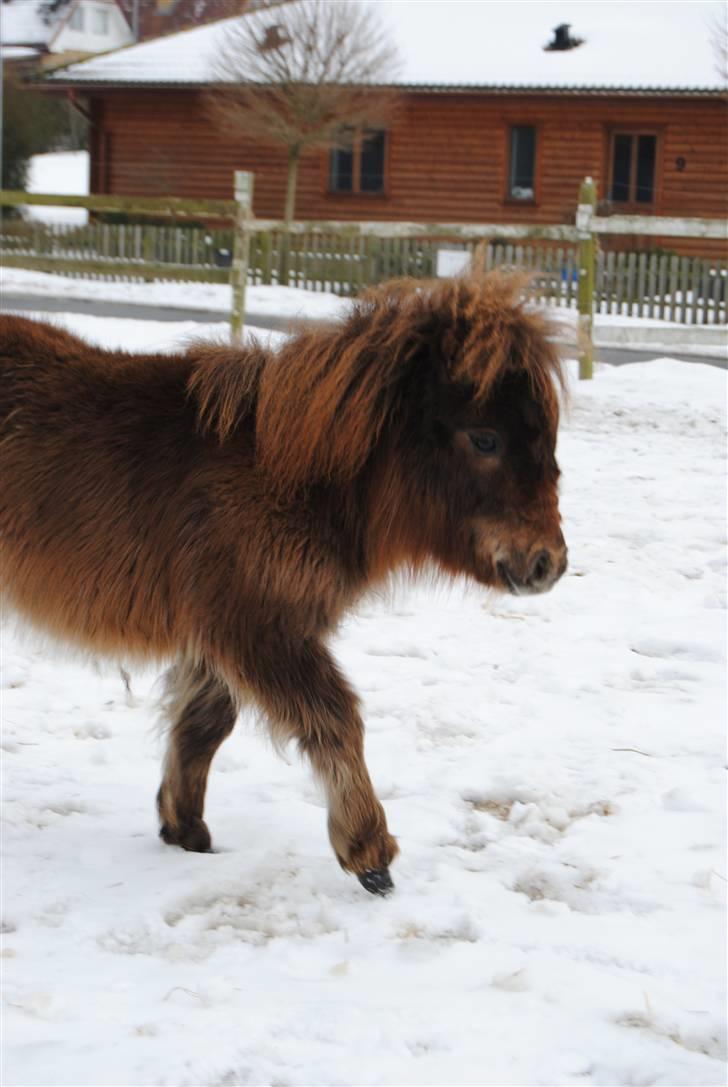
(53, 32)
(502, 112)
(155, 18)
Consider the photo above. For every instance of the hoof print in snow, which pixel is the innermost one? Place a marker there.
(377, 881)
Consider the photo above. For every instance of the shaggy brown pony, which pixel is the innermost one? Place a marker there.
(225, 507)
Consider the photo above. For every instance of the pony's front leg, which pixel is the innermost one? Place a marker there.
(307, 699)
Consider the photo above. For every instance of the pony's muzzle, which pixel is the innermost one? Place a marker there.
(536, 573)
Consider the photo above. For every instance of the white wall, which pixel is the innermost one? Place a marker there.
(92, 39)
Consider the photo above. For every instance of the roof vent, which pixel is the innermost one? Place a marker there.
(562, 40)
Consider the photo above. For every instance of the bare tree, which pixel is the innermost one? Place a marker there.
(295, 74)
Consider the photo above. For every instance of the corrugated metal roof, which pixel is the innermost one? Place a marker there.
(430, 88)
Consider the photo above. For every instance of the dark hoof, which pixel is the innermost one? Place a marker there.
(377, 881)
(193, 836)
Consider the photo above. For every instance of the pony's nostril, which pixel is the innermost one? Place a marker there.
(540, 568)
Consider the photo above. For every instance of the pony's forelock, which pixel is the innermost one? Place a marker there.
(507, 332)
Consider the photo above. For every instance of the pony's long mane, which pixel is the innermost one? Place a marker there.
(323, 399)
(225, 384)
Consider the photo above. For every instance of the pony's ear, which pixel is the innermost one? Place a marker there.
(326, 398)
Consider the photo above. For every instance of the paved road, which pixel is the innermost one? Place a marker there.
(17, 302)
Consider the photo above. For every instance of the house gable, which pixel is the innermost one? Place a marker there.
(91, 26)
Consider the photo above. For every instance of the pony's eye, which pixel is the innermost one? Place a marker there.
(485, 442)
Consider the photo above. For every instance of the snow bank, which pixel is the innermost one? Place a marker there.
(286, 302)
(553, 769)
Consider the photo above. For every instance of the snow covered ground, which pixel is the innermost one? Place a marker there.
(553, 768)
(63, 172)
(286, 302)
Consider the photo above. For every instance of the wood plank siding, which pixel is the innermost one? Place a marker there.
(446, 157)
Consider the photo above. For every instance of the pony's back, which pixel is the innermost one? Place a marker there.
(102, 465)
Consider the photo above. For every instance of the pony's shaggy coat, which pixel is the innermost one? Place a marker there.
(224, 507)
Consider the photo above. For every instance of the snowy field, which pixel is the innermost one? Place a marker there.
(553, 768)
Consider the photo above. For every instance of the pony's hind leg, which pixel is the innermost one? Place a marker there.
(201, 713)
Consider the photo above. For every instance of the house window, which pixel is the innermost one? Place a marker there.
(522, 163)
(371, 161)
(356, 165)
(76, 20)
(632, 177)
(341, 164)
(100, 21)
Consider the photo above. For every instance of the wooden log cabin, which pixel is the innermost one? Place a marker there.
(553, 104)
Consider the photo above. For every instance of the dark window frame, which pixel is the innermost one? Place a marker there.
(358, 137)
(508, 198)
(632, 204)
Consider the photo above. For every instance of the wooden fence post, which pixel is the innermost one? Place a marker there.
(241, 251)
(587, 269)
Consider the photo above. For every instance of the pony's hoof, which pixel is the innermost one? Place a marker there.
(192, 836)
(377, 881)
